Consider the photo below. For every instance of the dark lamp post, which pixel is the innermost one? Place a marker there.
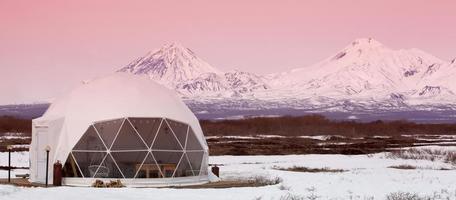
(48, 148)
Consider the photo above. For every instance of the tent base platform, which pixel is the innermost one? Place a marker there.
(159, 182)
(22, 182)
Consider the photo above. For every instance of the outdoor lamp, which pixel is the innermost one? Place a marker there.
(47, 149)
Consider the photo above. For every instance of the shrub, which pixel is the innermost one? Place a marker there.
(290, 196)
(264, 180)
(402, 167)
(111, 184)
(424, 154)
(403, 196)
(98, 184)
(309, 170)
(114, 184)
(451, 158)
(284, 187)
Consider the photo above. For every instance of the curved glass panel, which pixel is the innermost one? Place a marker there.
(165, 139)
(147, 128)
(192, 141)
(90, 141)
(128, 139)
(179, 129)
(108, 130)
(136, 148)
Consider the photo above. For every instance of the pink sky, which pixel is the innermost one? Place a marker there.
(47, 47)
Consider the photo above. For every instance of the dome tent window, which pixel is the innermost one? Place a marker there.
(129, 134)
(126, 156)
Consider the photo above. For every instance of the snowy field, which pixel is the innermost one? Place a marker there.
(366, 177)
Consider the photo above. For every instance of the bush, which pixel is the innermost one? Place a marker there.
(402, 167)
(284, 187)
(424, 154)
(403, 196)
(264, 180)
(451, 158)
(111, 184)
(98, 184)
(307, 169)
(114, 184)
(290, 196)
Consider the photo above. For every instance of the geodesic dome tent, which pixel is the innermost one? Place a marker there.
(122, 127)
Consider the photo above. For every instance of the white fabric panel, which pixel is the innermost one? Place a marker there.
(119, 95)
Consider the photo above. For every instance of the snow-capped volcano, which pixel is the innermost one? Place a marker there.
(170, 65)
(180, 69)
(364, 68)
(365, 73)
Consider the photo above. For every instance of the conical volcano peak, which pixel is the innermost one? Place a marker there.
(366, 42)
(170, 65)
(359, 48)
(173, 45)
(174, 49)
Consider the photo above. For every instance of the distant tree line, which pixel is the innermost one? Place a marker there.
(287, 126)
(12, 124)
(319, 125)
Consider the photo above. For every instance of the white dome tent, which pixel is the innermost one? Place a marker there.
(122, 127)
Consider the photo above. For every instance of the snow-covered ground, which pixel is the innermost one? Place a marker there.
(18, 159)
(367, 177)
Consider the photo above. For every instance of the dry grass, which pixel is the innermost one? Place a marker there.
(424, 154)
(284, 187)
(438, 195)
(451, 158)
(264, 180)
(408, 167)
(110, 184)
(290, 196)
(403, 196)
(254, 181)
(219, 185)
(309, 170)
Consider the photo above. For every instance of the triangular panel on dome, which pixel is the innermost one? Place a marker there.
(70, 167)
(108, 169)
(88, 162)
(108, 130)
(128, 139)
(179, 129)
(165, 139)
(129, 162)
(146, 127)
(205, 164)
(149, 168)
(192, 141)
(168, 161)
(184, 168)
(196, 159)
(90, 141)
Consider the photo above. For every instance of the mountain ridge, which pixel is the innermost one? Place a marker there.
(365, 72)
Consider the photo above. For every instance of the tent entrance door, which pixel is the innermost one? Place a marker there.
(42, 141)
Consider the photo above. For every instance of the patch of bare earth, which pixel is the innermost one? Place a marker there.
(255, 181)
(309, 170)
(402, 167)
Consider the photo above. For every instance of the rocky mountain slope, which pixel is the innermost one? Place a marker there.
(364, 75)
(180, 69)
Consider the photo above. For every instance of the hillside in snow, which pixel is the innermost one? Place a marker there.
(364, 75)
(180, 69)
